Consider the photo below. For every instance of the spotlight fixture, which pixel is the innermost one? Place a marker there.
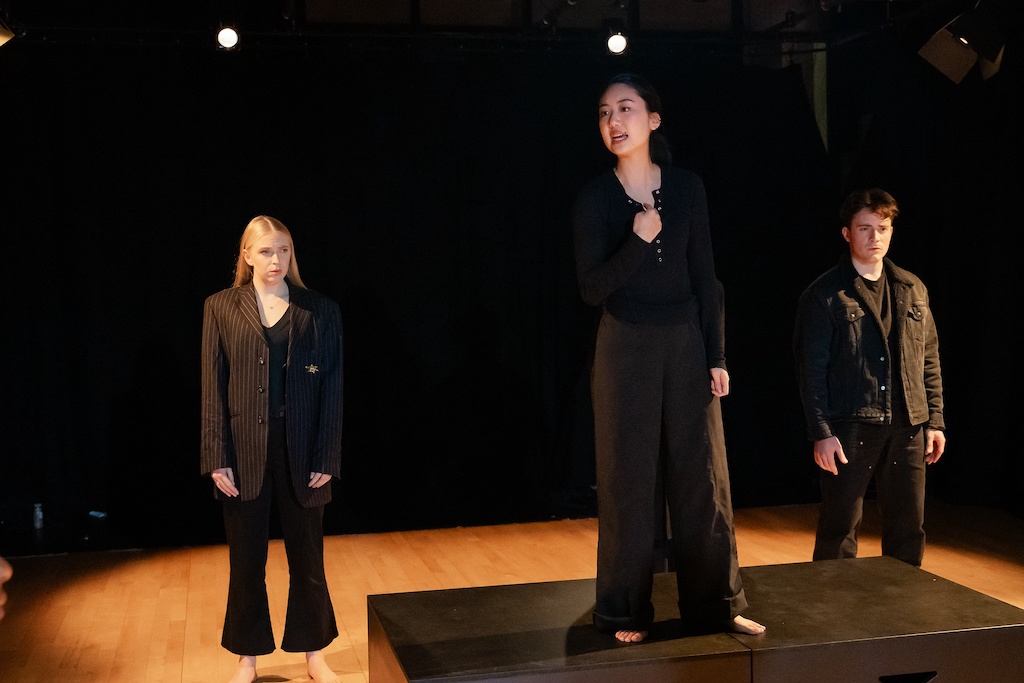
(617, 41)
(227, 38)
(982, 29)
(976, 37)
(5, 33)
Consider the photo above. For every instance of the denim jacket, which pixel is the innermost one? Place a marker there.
(843, 365)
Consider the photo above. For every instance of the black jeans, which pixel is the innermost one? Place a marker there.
(309, 621)
(655, 417)
(894, 457)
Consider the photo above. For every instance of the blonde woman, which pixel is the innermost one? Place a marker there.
(271, 433)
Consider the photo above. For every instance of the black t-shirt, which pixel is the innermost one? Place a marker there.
(881, 298)
(277, 338)
(878, 290)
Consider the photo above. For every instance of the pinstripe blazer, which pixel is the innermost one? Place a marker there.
(235, 400)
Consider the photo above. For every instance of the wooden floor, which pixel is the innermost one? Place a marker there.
(155, 616)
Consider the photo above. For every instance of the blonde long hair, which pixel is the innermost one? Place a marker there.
(259, 227)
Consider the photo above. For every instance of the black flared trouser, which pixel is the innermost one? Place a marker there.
(892, 455)
(309, 621)
(654, 414)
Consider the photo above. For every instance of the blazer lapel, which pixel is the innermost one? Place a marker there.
(247, 305)
(301, 315)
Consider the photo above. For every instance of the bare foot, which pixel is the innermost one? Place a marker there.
(630, 636)
(246, 671)
(316, 667)
(743, 625)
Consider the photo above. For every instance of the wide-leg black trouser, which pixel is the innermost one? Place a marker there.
(309, 620)
(894, 456)
(654, 412)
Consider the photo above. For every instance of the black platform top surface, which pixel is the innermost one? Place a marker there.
(528, 627)
(547, 626)
(867, 598)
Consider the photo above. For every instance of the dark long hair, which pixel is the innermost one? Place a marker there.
(661, 150)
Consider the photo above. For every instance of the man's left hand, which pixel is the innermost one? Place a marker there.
(934, 445)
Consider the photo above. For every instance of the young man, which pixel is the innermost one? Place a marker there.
(867, 358)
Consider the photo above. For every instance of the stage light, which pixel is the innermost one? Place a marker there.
(982, 29)
(617, 41)
(5, 33)
(976, 37)
(227, 38)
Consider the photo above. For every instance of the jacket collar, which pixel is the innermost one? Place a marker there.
(894, 272)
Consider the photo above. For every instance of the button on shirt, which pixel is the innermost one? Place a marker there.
(668, 281)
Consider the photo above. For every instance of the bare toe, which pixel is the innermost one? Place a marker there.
(743, 625)
(630, 636)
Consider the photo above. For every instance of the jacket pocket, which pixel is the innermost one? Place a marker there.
(848, 317)
(917, 320)
(848, 311)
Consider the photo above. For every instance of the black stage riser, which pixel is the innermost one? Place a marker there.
(868, 620)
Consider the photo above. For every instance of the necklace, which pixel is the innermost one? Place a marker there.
(270, 307)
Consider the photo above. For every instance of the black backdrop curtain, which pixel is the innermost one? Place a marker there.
(429, 189)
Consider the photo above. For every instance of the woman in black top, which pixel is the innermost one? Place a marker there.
(643, 253)
(271, 433)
